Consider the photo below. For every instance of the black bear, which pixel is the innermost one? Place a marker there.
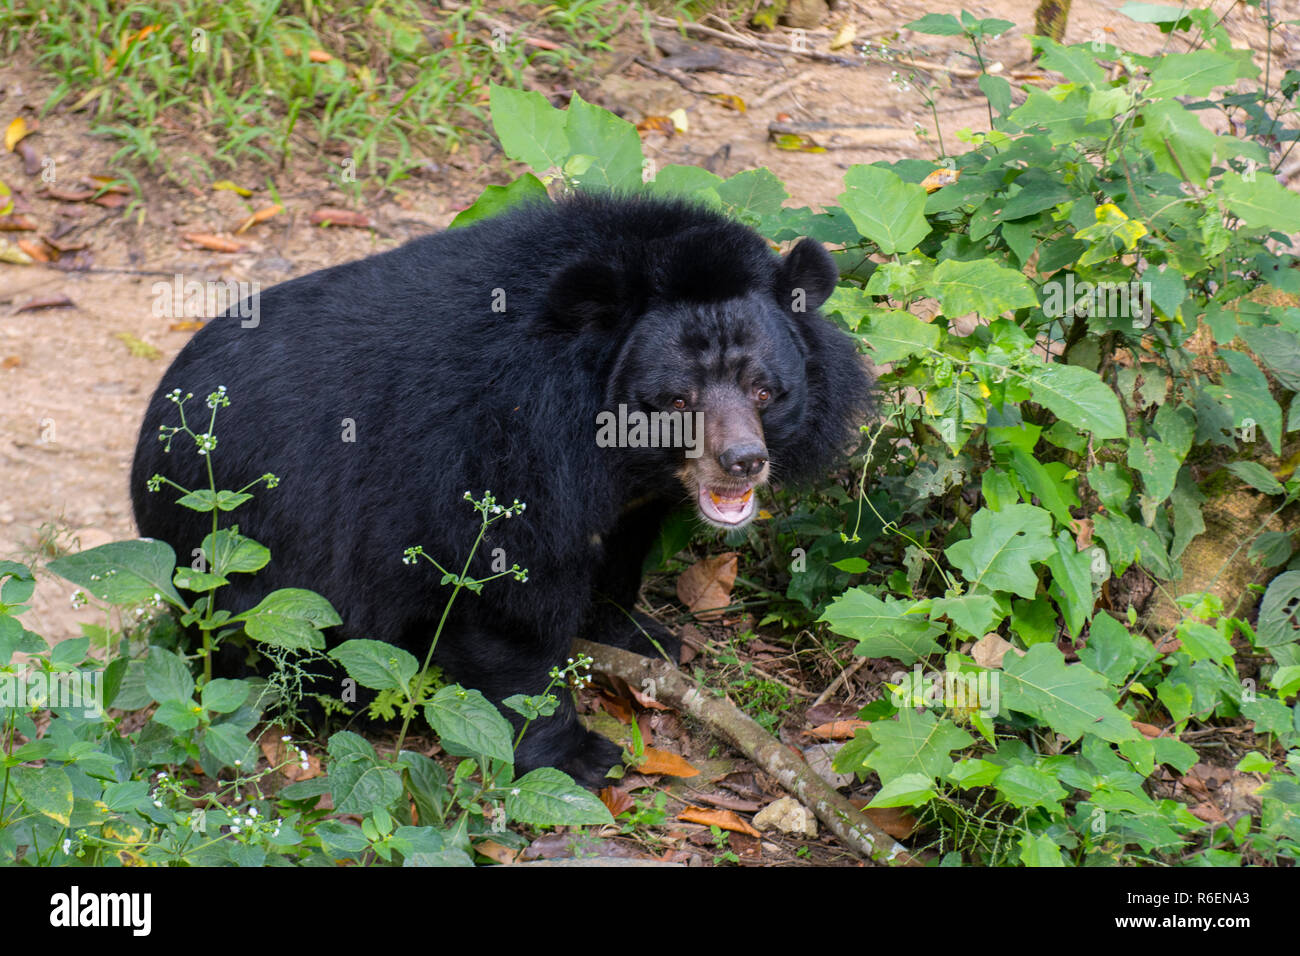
(599, 358)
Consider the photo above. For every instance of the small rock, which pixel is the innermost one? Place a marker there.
(789, 816)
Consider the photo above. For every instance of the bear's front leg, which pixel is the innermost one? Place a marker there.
(502, 665)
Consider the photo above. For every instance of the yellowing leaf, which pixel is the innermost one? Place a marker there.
(943, 176)
(233, 187)
(844, 36)
(14, 132)
(678, 116)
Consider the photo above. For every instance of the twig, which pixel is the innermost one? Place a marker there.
(671, 686)
(783, 87)
(839, 681)
(668, 23)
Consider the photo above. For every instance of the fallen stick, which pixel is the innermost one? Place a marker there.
(671, 686)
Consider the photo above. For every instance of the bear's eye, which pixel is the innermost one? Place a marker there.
(763, 395)
(679, 403)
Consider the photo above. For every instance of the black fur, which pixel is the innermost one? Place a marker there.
(606, 301)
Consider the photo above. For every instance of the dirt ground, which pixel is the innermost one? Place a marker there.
(72, 389)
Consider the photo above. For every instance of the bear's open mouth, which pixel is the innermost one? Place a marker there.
(728, 507)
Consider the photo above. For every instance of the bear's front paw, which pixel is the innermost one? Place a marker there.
(593, 758)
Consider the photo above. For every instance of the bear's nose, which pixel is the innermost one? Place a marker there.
(743, 461)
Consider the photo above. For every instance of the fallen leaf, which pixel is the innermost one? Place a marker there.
(705, 587)
(943, 176)
(235, 188)
(14, 132)
(796, 142)
(9, 252)
(36, 249)
(47, 302)
(680, 123)
(327, 216)
(188, 325)
(17, 223)
(319, 56)
(1082, 534)
(661, 761)
(260, 216)
(10, 361)
(209, 241)
(722, 819)
(1209, 813)
(844, 36)
(496, 852)
(280, 754)
(729, 101)
(110, 200)
(656, 124)
(837, 729)
(1150, 731)
(616, 800)
(989, 650)
(61, 246)
(895, 821)
(138, 347)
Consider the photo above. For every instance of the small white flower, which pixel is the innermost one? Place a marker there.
(67, 846)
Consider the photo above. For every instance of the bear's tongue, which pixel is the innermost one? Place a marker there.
(727, 510)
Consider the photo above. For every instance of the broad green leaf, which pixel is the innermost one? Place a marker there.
(1245, 393)
(376, 665)
(914, 743)
(1065, 120)
(123, 572)
(229, 552)
(981, 286)
(549, 797)
(1109, 650)
(229, 743)
(896, 335)
(1202, 642)
(1071, 699)
(1158, 465)
(678, 180)
(1260, 203)
(753, 194)
(1039, 190)
(881, 628)
(1026, 787)
(1191, 74)
(495, 200)
(1279, 612)
(469, 725)
(1003, 544)
(1040, 850)
(973, 772)
(1071, 582)
(289, 618)
(976, 614)
(1279, 349)
(908, 790)
(937, 24)
(886, 210)
(530, 129)
(47, 790)
(360, 786)
(1078, 63)
(1257, 476)
(224, 696)
(1078, 396)
(611, 139)
(167, 677)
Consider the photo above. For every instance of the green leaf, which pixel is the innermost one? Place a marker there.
(914, 743)
(1078, 63)
(1257, 476)
(549, 797)
(981, 286)
(376, 664)
(888, 211)
(180, 715)
(1040, 850)
(123, 572)
(1158, 465)
(197, 581)
(937, 24)
(1065, 120)
(1001, 548)
(1191, 74)
(531, 131)
(1109, 651)
(495, 200)
(1279, 612)
(973, 772)
(1245, 393)
(360, 786)
(1071, 582)
(1071, 699)
(895, 335)
(973, 613)
(291, 618)
(908, 790)
(677, 180)
(1202, 642)
(882, 628)
(229, 743)
(229, 552)
(1026, 787)
(752, 194)
(1039, 190)
(69, 653)
(167, 677)
(611, 139)
(1260, 203)
(469, 725)
(222, 696)
(47, 790)
(1078, 396)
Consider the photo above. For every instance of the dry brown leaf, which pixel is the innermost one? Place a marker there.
(645, 700)
(60, 246)
(837, 729)
(327, 216)
(1082, 534)
(943, 176)
(989, 650)
(1150, 731)
(188, 325)
(1209, 813)
(723, 819)
(319, 56)
(496, 852)
(260, 216)
(36, 249)
(705, 587)
(110, 200)
(17, 223)
(47, 302)
(893, 820)
(278, 753)
(14, 133)
(661, 761)
(616, 800)
(80, 194)
(656, 124)
(10, 361)
(209, 241)
(729, 101)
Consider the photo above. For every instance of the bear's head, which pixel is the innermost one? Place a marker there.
(722, 373)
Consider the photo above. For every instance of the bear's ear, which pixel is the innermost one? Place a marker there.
(807, 277)
(590, 293)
